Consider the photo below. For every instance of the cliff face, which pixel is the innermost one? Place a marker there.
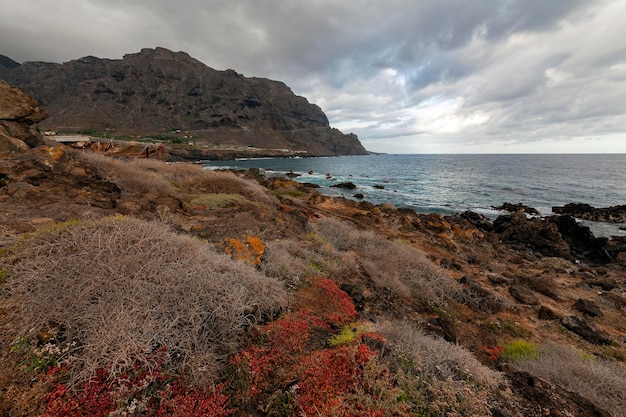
(157, 91)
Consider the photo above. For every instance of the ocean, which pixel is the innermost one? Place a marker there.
(450, 184)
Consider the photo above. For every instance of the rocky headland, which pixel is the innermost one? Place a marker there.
(176, 98)
(388, 312)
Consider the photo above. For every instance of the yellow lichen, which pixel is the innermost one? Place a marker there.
(250, 250)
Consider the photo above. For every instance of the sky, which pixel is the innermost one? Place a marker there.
(406, 76)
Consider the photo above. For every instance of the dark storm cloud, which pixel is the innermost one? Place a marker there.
(431, 71)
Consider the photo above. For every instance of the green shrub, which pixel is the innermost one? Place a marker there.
(520, 349)
(350, 333)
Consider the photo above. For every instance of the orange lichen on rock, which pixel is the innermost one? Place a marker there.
(284, 183)
(250, 250)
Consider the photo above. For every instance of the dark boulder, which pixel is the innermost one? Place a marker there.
(538, 234)
(516, 208)
(616, 214)
(448, 328)
(546, 313)
(543, 285)
(523, 295)
(588, 308)
(603, 284)
(617, 300)
(583, 244)
(550, 399)
(583, 329)
(477, 220)
(345, 185)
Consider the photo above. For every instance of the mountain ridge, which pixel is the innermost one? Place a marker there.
(166, 93)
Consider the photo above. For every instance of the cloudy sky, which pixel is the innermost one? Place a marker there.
(407, 76)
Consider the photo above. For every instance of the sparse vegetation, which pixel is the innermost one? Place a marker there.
(391, 264)
(599, 380)
(438, 378)
(214, 201)
(119, 287)
(185, 181)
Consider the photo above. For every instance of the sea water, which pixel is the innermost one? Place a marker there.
(450, 184)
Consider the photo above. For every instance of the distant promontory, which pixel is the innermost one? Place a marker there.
(172, 96)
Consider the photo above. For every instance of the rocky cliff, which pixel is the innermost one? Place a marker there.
(157, 91)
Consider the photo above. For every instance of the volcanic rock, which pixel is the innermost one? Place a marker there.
(516, 208)
(583, 244)
(523, 295)
(478, 220)
(540, 235)
(345, 185)
(546, 313)
(617, 300)
(588, 307)
(448, 328)
(615, 214)
(583, 329)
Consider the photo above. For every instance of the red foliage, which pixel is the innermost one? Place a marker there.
(323, 380)
(494, 352)
(93, 399)
(326, 376)
(180, 401)
(330, 303)
(280, 345)
(162, 396)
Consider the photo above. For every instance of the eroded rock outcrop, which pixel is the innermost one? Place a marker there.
(18, 111)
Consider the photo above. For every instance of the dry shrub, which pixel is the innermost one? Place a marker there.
(128, 175)
(280, 261)
(600, 381)
(194, 178)
(394, 265)
(175, 179)
(438, 358)
(439, 378)
(291, 261)
(119, 287)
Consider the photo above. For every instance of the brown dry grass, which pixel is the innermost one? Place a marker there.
(287, 261)
(173, 179)
(602, 382)
(394, 265)
(438, 358)
(439, 378)
(123, 286)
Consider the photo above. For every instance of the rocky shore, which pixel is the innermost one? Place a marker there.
(517, 281)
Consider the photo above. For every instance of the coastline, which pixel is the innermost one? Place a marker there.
(513, 278)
